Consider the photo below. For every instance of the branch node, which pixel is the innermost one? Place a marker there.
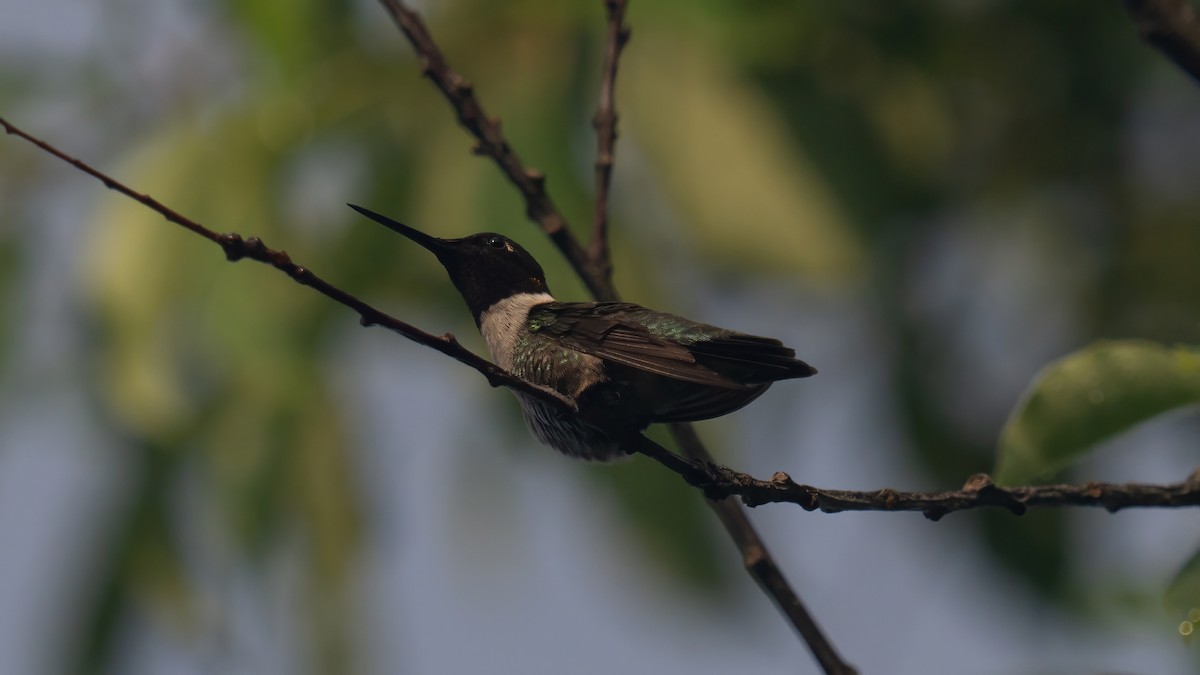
(537, 178)
(781, 479)
(233, 246)
(934, 514)
(459, 84)
(753, 502)
(1110, 501)
(887, 498)
(978, 482)
(811, 499)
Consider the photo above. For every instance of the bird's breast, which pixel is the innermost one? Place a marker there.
(535, 356)
(505, 324)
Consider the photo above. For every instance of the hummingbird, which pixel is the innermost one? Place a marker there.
(623, 365)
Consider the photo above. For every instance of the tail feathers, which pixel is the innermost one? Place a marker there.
(751, 358)
(703, 403)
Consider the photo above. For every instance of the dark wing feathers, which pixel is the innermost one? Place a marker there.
(605, 336)
(701, 354)
(753, 358)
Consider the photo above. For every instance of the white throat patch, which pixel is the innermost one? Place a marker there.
(501, 323)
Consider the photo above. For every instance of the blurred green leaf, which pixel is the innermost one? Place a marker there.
(1089, 396)
(231, 355)
(749, 197)
(290, 33)
(809, 138)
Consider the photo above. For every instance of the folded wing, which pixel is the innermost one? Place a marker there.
(717, 370)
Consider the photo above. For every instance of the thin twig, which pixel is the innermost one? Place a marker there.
(491, 142)
(1171, 26)
(756, 558)
(979, 491)
(605, 123)
(237, 248)
(717, 482)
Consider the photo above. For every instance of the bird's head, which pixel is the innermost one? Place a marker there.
(485, 267)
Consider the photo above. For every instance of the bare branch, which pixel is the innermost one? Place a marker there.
(491, 142)
(1171, 26)
(237, 248)
(756, 558)
(758, 561)
(980, 491)
(1168, 24)
(717, 482)
(605, 123)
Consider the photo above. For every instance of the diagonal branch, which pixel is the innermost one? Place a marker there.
(757, 561)
(491, 142)
(1172, 27)
(718, 482)
(605, 123)
(756, 558)
(237, 248)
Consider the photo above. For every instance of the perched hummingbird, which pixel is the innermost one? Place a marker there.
(623, 365)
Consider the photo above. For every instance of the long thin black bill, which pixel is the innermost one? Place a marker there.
(431, 243)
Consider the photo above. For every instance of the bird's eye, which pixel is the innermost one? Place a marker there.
(496, 242)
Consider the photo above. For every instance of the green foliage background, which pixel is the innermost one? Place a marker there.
(836, 148)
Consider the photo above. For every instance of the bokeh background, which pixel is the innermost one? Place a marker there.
(205, 468)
